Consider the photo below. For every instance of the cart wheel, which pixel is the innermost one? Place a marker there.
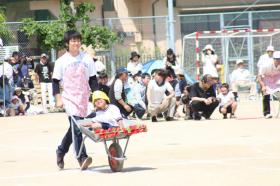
(115, 150)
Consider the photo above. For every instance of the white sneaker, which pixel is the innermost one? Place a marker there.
(268, 116)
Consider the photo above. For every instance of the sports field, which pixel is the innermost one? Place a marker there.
(238, 152)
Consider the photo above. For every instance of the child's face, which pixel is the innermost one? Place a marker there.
(14, 101)
(74, 44)
(100, 104)
(224, 90)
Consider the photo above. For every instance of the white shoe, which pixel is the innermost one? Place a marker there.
(268, 116)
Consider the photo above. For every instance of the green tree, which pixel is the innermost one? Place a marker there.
(5, 33)
(50, 34)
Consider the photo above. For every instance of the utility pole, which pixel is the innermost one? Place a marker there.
(171, 42)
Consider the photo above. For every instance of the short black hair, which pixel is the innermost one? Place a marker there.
(103, 75)
(162, 73)
(225, 85)
(206, 78)
(71, 34)
(169, 51)
(15, 53)
(144, 75)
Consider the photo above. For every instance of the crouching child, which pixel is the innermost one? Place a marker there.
(228, 104)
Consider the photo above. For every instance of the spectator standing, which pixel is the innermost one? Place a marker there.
(134, 65)
(269, 79)
(267, 57)
(44, 72)
(6, 80)
(210, 61)
(25, 63)
(171, 63)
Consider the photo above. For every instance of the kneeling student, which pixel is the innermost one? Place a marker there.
(227, 102)
(107, 115)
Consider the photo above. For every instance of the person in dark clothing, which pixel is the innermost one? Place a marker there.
(44, 72)
(117, 93)
(203, 98)
(25, 63)
(102, 83)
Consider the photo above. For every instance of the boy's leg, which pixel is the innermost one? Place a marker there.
(63, 148)
(266, 105)
(43, 95)
(50, 94)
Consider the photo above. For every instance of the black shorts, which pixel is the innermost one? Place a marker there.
(229, 109)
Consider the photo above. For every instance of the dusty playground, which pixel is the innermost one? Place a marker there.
(243, 152)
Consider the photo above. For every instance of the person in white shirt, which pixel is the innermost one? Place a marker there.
(6, 73)
(158, 101)
(227, 102)
(171, 63)
(107, 115)
(269, 79)
(134, 64)
(241, 77)
(76, 72)
(210, 61)
(267, 57)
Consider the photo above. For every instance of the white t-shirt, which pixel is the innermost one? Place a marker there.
(74, 73)
(209, 65)
(240, 74)
(158, 92)
(111, 115)
(264, 59)
(8, 71)
(225, 98)
(134, 67)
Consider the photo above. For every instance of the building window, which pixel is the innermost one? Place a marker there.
(108, 5)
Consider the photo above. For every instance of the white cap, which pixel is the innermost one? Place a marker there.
(239, 61)
(44, 55)
(179, 71)
(276, 55)
(208, 47)
(270, 48)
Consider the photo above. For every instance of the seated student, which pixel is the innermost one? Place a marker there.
(158, 101)
(133, 93)
(241, 77)
(107, 115)
(15, 107)
(23, 98)
(203, 98)
(117, 94)
(227, 102)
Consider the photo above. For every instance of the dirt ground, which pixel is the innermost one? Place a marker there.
(237, 152)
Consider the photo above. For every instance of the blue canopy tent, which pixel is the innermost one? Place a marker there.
(149, 66)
